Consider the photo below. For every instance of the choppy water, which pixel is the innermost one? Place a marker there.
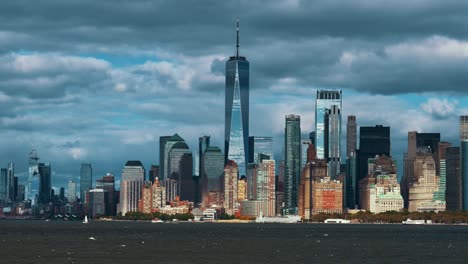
(128, 242)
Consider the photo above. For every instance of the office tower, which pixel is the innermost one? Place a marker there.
(439, 195)
(15, 189)
(153, 172)
(372, 141)
(71, 196)
(242, 189)
(169, 144)
(252, 172)
(107, 183)
(32, 186)
(350, 200)
(305, 193)
(3, 184)
(10, 178)
(425, 184)
(62, 194)
(133, 176)
(175, 154)
(144, 204)
(230, 187)
(281, 172)
(351, 134)
(260, 145)
(236, 126)
(327, 196)
(20, 196)
(266, 185)
(305, 144)
(162, 146)
(98, 203)
(45, 183)
(203, 144)
(158, 195)
(212, 172)
(172, 189)
(464, 159)
(186, 183)
(453, 195)
(292, 162)
(86, 180)
(324, 102)
(312, 137)
(333, 139)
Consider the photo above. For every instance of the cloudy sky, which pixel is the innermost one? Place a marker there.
(100, 81)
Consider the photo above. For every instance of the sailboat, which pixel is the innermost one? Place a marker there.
(85, 221)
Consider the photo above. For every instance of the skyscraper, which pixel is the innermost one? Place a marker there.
(153, 173)
(10, 182)
(464, 159)
(351, 133)
(453, 195)
(32, 186)
(212, 171)
(333, 139)
(45, 184)
(3, 184)
(230, 187)
(133, 176)
(260, 145)
(372, 141)
(170, 142)
(236, 126)
(292, 162)
(203, 144)
(186, 183)
(86, 179)
(175, 154)
(162, 145)
(107, 183)
(305, 143)
(71, 195)
(324, 102)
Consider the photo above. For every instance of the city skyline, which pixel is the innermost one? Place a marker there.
(49, 106)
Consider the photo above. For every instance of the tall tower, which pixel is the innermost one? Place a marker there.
(32, 187)
(324, 102)
(292, 167)
(351, 135)
(464, 159)
(236, 126)
(86, 179)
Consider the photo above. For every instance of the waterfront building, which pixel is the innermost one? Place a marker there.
(439, 195)
(236, 128)
(351, 184)
(107, 183)
(425, 184)
(315, 170)
(230, 188)
(45, 183)
(169, 144)
(464, 159)
(212, 171)
(453, 195)
(144, 204)
(327, 196)
(351, 135)
(97, 203)
(324, 102)
(260, 145)
(71, 194)
(292, 162)
(162, 148)
(86, 179)
(186, 182)
(133, 176)
(242, 189)
(172, 189)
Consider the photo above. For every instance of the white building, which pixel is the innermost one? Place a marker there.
(71, 194)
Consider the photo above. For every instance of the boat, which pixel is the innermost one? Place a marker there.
(85, 221)
(336, 221)
(157, 221)
(414, 222)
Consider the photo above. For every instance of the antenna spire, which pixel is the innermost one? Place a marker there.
(237, 44)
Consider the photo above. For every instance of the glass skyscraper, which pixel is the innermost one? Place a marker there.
(260, 145)
(45, 185)
(292, 157)
(464, 159)
(32, 186)
(333, 140)
(236, 126)
(169, 143)
(86, 179)
(324, 102)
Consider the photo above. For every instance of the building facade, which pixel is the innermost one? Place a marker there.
(230, 188)
(260, 145)
(464, 159)
(292, 162)
(324, 102)
(131, 184)
(86, 179)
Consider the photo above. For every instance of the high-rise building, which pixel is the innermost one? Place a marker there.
(236, 126)
(230, 188)
(372, 141)
(439, 195)
(166, 173)
(153, 173)
(3, 184)
(324, 102)
(292, 162)
(315, 170)
(252, 172)
(351, 135)
(133, 177)
(203, 144)
(242, 189)
(305, 144)
(162, 146)
(260, 145)
(351, 183)
(333, 139)
(32, 186)
(97, 204)
(212, 171)
(45, 184)
(453, 195)
(186, 182)
(71, 194)
(10, 182)
(107, 183)
(327, 196)
(464, 159)
(86, 179)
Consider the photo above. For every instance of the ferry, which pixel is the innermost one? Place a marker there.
(336, 221)
(416, 222)
(157, 221)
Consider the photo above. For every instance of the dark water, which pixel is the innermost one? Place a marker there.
(128, 242)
